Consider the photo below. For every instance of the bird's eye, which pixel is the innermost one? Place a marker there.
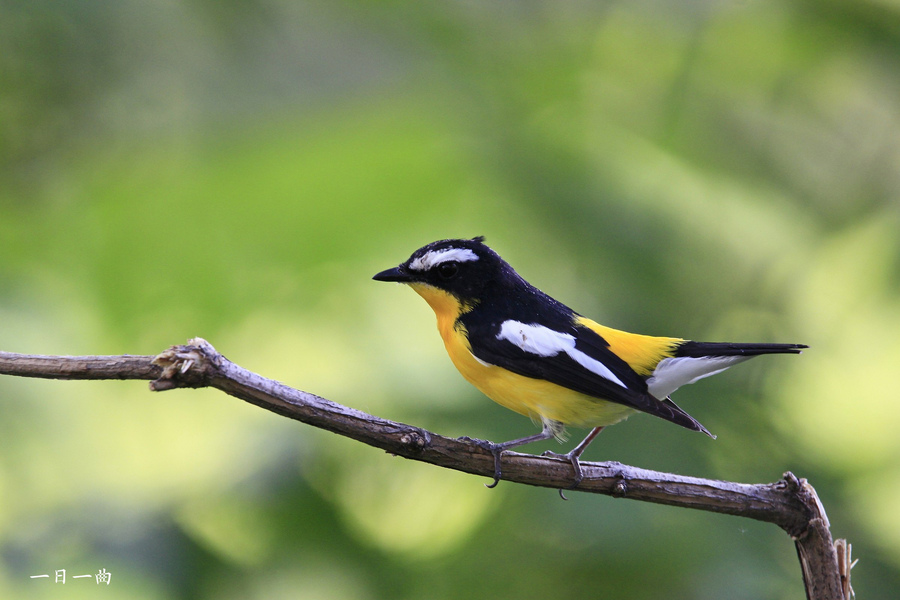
(448, 270)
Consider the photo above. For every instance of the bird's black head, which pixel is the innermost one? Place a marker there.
(462, 268)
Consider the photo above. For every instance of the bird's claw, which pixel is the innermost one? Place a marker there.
(496, 450)
(576, 465)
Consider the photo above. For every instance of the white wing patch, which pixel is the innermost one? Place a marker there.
(672, 373)
(436, 257)
(543, 341)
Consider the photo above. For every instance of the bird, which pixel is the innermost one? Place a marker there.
(536, 356)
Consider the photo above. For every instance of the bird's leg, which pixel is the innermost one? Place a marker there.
(550, 429)
(573, 456)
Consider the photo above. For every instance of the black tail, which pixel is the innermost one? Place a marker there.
(700, 349)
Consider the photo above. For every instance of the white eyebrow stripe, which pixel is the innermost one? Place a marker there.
(436, 257)
(543, 341)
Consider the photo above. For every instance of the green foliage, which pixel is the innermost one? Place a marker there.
(239, 170)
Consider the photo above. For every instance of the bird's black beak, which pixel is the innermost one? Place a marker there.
(398, 274)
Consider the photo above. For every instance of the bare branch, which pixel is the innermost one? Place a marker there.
(790, 503)
(79, 367)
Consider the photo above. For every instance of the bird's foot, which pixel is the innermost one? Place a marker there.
(572, 457)
(495, 449)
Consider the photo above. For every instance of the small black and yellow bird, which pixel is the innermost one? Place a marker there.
(538, 357)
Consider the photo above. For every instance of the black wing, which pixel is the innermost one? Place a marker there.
(570, 369)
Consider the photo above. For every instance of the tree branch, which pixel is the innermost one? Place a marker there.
(790, 503)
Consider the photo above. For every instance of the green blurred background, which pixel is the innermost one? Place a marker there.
(239, 169)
